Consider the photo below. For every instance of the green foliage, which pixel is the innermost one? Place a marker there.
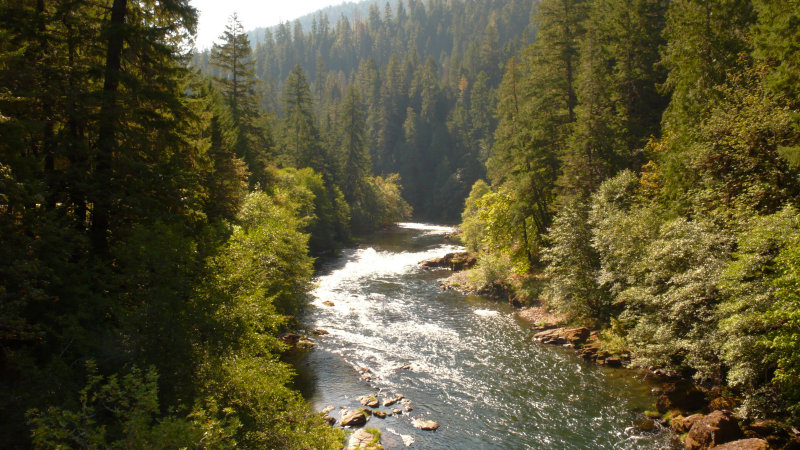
(754, 313)
(572, 267)
(672, 311)
(323, 209)
(785, 341)
(472, 228)
(123, 412)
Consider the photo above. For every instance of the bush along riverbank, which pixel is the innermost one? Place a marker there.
(699, 416)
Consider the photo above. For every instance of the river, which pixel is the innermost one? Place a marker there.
(473, 366)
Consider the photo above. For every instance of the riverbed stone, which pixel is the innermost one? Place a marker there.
(397, 411)
(379, 414)
(428, 425)
(369, 400)
(712, 430)
(330, 420)
(389, 401)
(319, 332)
(353, 418)
(362, 439)
(328, 303)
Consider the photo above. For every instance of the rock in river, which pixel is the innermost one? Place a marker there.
(425, 424)
(369, 400)
(453, 261)
(353, 418)
(362, 439)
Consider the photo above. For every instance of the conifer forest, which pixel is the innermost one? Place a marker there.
(629, 166)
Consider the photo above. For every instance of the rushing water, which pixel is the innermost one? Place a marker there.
(474, 367)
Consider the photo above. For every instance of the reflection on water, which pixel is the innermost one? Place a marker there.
(465, 362)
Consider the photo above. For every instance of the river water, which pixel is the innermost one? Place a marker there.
(474, 368)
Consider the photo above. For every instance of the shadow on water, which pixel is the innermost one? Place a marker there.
(472, 366)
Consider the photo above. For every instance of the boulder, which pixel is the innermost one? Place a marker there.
(290, 339)
(745, 444)
(369, 400)
(329, 419)
(682, 424)
(397, 411)
(712, 430)
(328, 303)
(561, 336)
(327, 409)
(319, 332)
(576, 336)
(361, 439)
(722, 403)
(453, 261)
(389, 401)
(646, 425)
(429, 425)
(354, 418)
(379, 414)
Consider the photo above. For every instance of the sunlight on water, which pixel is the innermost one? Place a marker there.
(429, 229)
(466, 362)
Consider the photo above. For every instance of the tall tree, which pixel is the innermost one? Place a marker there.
(357, 167)
(301, 138)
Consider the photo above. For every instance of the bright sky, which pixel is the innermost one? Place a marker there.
(252, 13)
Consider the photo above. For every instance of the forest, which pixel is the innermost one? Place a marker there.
(629, 164)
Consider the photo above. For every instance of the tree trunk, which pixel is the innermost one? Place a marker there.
(106, 139)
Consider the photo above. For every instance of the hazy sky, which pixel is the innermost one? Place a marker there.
(252, 13)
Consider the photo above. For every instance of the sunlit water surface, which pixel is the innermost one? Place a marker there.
(474, 367)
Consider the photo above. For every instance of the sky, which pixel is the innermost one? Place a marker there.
(252, 14)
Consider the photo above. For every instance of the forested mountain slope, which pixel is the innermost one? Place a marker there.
(426, 74)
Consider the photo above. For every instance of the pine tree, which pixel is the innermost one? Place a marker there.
(353, 140)
(301, 138)
(237, 83)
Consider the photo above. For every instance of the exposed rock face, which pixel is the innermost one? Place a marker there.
(682, 424)
(561, 336)
(354, 418)
(453, 261)
(745, 444)
(361, 439)
(429, 425)
(712, 430)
